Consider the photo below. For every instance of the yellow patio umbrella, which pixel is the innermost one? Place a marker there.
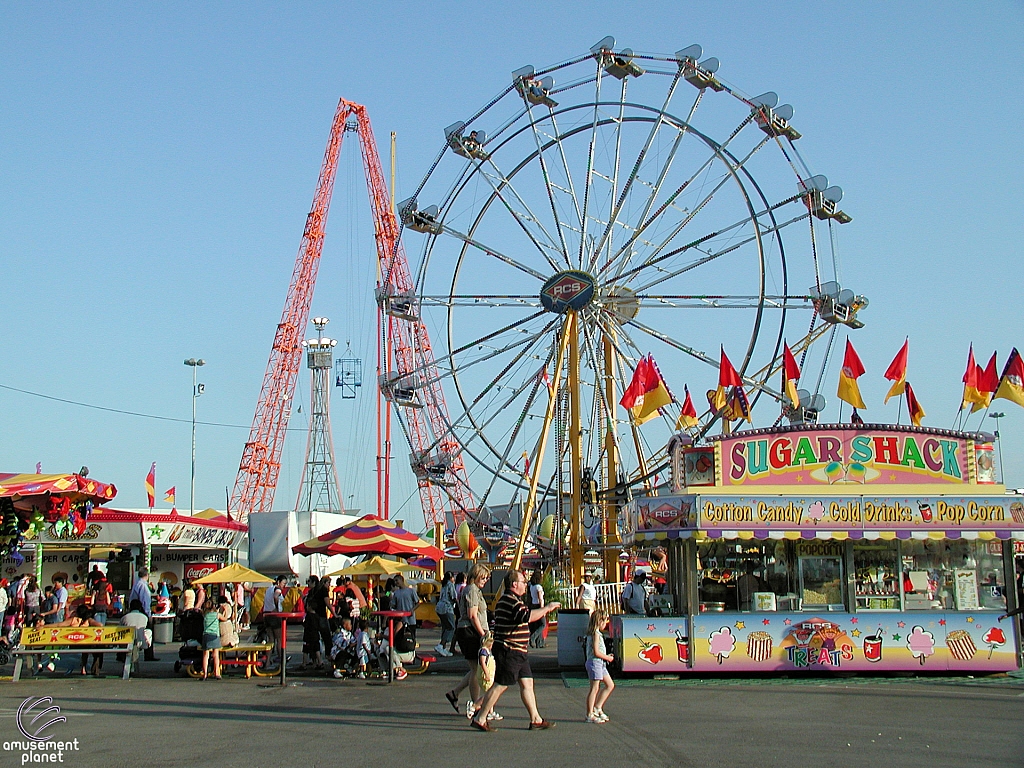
(376, 566)
(233, 574)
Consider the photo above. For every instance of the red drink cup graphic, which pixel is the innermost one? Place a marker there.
(873, 646)
(925, 510)
(682, 647)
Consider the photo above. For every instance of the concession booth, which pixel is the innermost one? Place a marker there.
(829, 547)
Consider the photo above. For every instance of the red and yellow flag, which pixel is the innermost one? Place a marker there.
(688, 416)
(790, 375)
(1011, 383)
(853, 369)
(151, 486)
(897, 371)
(913, 406)
(646, 392)
(972, 396)
(169, 495)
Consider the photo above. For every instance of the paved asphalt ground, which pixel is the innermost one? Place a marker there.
(162, 719)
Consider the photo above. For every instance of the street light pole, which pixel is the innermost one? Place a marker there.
(997, 416)
(193, 364)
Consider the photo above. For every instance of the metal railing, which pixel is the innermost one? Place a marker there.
(607, 596)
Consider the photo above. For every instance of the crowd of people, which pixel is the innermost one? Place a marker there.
(338, 636)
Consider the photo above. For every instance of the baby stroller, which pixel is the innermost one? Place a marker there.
(191, 630)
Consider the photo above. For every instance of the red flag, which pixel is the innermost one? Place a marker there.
(169, 495)
(853, 369)
(897, 371)
(727, 376)
(688, 416)
(913, 406)
(151, 485)
(790, 375)
(972, 376)
(988, 379)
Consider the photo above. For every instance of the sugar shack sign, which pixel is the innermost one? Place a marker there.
(846, 456)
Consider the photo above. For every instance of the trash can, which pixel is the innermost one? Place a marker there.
(572, 631)
(163, 629)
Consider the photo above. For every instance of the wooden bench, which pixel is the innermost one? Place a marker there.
(242, 655)
(49, 640)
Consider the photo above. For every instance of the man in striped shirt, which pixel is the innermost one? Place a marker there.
(511, 640)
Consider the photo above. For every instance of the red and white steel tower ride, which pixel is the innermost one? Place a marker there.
(406, 377)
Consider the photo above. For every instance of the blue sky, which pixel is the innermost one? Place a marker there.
(157, 165)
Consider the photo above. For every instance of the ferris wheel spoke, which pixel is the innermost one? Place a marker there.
(663, 173)
(653, 257)
(468, 421)
(493, 353)
(477, 430)
(606, 236)
(565, 167)
(590, 164)
(723, 302)
(521, 217)
(481, 300)
(545, 174)
(449, 357)
(711, 256)
(449, 230)
(720, 154)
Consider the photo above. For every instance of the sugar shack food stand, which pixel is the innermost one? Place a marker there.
(829, 547)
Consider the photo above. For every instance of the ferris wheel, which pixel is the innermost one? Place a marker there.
(615, 206)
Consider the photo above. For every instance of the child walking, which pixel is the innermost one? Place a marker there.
(485, 669)
(597, 660)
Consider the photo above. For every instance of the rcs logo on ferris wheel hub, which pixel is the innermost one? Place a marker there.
(567, 290)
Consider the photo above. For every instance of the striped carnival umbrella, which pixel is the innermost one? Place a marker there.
(369, 535)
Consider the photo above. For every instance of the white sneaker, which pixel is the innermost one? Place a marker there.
(470, 710)
(494, 716)
(593, 718)
(337, 673)
(440, 650)
(601, 715)
(446, 652)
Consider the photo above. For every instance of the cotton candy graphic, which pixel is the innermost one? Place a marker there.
(921, 643)
(722, 643)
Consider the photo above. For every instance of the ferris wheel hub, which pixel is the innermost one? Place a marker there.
(568, 290)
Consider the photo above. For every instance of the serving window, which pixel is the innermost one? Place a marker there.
(956, 575)
(887, 575)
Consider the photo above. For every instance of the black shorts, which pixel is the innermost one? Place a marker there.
(469, 642)
(510, 666)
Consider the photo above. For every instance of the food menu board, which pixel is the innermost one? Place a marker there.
(966, 581)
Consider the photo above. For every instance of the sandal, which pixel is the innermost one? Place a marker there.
(453, 700)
